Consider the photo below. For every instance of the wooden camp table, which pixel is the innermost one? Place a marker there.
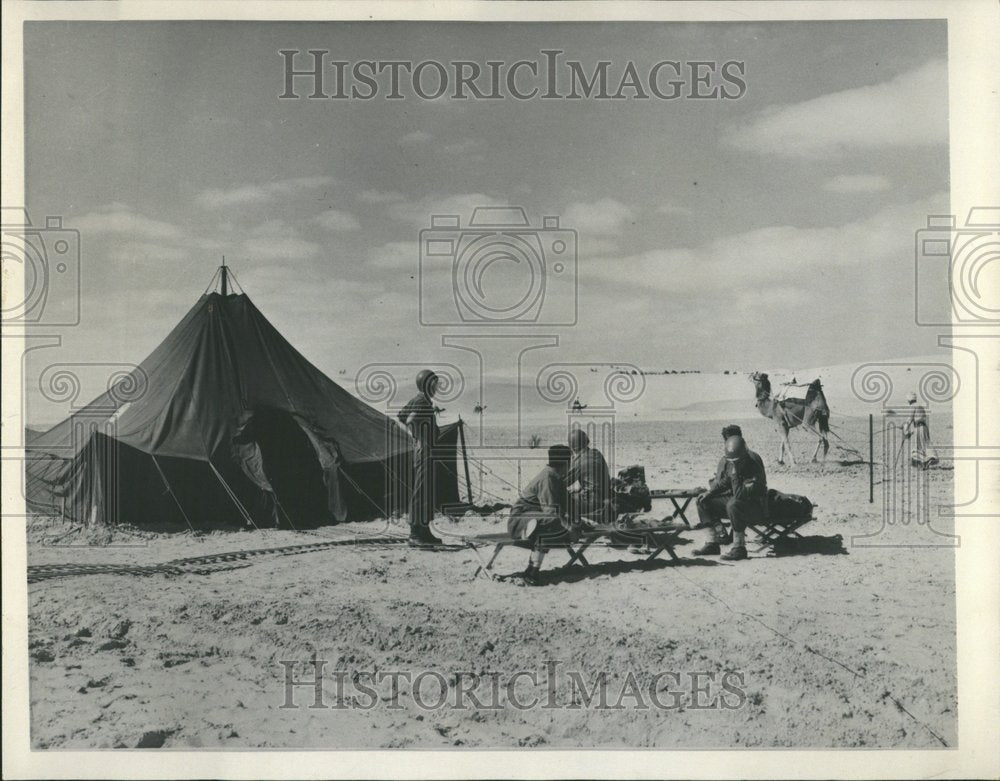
(656, 538)
(675, 495)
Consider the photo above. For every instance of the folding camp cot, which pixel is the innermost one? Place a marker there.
(771, 530)
(656, 538)
(675, 494)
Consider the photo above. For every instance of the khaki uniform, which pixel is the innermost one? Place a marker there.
(543, 500)
(589, 468)
(738, 493)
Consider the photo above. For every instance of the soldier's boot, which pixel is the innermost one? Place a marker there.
(532, 575)
(739, 550)
(711, 548)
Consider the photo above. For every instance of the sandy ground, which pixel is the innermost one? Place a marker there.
(847, 640)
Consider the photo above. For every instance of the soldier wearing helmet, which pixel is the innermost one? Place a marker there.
(418, 416)
(739, 494)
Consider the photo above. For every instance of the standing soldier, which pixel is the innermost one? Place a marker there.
(739, 494)
(419, 418)
(924, 455)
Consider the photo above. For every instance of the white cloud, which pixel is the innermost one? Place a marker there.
(603, 217)
(272, 281)
(595, 246)
(276, 248)
(464, 148)
(419, 212)
(210, 245)
(277, 240)
(260, 193)
(673, 208)
(119, 218)
(395, 255)
(767, 262)
(910, 110)
(379, 196)
(857, 183)
(336, 221)
(144, 250)
(415, 138)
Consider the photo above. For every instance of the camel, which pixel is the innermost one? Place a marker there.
(812, 413)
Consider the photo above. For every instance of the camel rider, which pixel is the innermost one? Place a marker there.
(539, 514)
(419, 418)
(588, 480)
(740, 495)
(924, 455)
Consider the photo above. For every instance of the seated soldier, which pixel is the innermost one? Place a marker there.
(732, 430)
(588, 481)
(539, 514)
(739, 494)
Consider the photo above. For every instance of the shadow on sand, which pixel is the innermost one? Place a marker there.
(567, 574)
(832, 545)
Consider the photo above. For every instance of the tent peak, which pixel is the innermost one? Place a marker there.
(222, 280)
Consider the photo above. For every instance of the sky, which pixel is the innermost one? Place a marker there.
(776, 229)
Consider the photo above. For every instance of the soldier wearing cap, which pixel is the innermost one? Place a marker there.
(739, 494)
(418, 416)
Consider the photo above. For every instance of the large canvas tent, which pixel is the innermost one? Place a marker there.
(225, 423)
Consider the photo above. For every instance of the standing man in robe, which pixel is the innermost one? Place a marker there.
(418, 416)
(924, 455)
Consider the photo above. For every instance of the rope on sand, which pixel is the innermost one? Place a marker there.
(886, 694)
(198, 564)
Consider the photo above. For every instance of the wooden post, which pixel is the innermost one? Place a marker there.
(465, 457)
(871, 458)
